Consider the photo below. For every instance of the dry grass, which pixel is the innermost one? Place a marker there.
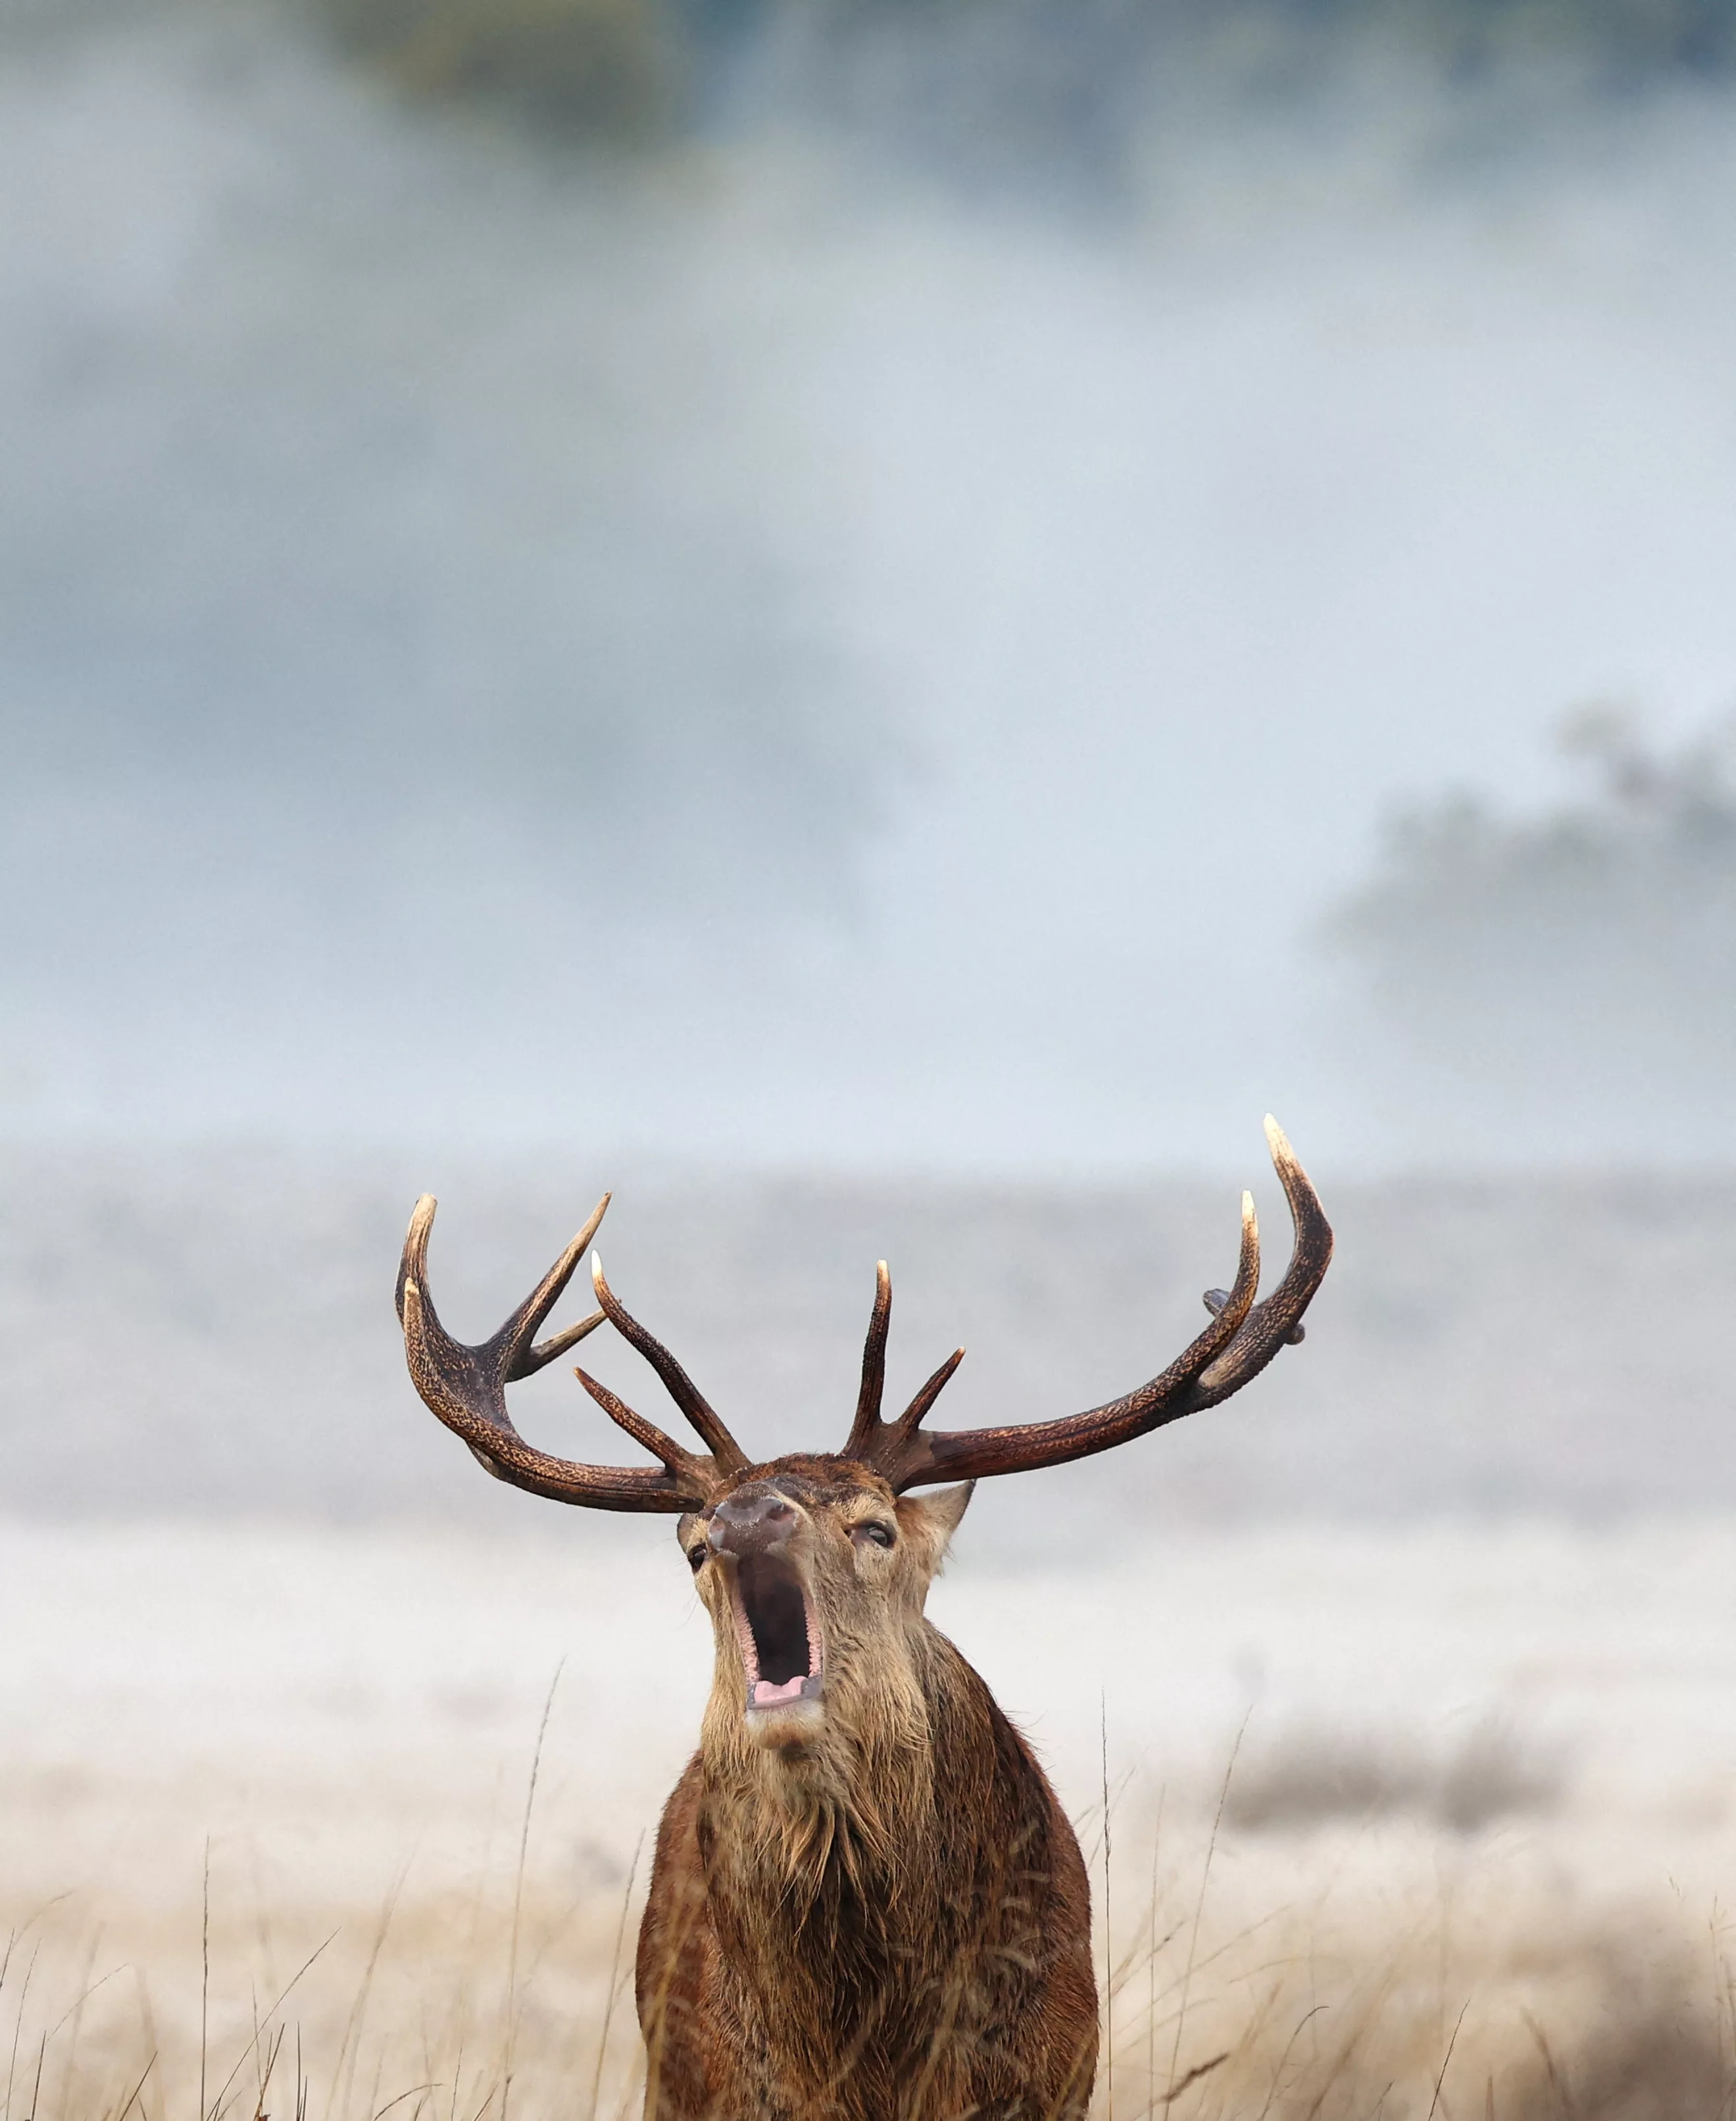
(418, 2006)
(1479, 2000)
(1436, 1883)
(1390, 1988)
(1307, 1773)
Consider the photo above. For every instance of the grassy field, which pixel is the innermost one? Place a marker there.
(1404, 1825)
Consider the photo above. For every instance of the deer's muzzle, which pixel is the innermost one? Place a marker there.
(751, 1521)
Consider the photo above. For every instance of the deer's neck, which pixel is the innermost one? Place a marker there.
(830, 1877)
(852, 1807)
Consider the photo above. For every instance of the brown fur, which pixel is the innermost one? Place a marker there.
(870, 1906)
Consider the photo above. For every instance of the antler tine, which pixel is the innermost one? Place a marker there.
(873, 1366)
(1241, 1341)
(516, 1331)
(513, 1340)
(641, 1431)
(706, 1422)
(912, 1417)
(466, 1388)
(1278, 1319)
(873, 1442)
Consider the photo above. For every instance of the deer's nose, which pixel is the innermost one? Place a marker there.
(752, 1521)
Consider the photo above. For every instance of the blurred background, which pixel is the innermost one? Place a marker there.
(875, 622)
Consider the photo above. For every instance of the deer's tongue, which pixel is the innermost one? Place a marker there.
(765, 1692)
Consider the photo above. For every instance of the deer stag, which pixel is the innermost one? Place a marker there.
(867, 1902)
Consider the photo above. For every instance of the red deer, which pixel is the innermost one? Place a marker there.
(867, 1902)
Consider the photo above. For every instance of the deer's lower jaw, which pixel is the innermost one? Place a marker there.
(778, 1633)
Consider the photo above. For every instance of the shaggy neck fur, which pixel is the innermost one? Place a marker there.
(823, 1862)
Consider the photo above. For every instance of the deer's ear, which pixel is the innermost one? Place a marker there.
(940, 1510)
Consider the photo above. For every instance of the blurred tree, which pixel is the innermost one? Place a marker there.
(1583, 958)
(613, 68)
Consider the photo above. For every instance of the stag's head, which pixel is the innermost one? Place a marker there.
(815, 1574)
(815, 1567)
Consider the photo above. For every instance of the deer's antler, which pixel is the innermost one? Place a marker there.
(871, 1440)
(1242, 1338)
(466, 1387)
(707, 1424)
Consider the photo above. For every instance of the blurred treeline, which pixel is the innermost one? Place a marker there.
(1589, 950)
(1036, 70)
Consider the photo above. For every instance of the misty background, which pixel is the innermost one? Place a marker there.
(877, 624)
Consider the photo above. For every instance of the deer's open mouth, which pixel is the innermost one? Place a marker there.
(778, 1630)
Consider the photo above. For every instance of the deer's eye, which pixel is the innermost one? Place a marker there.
(873, 1535)
(696, 1556)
